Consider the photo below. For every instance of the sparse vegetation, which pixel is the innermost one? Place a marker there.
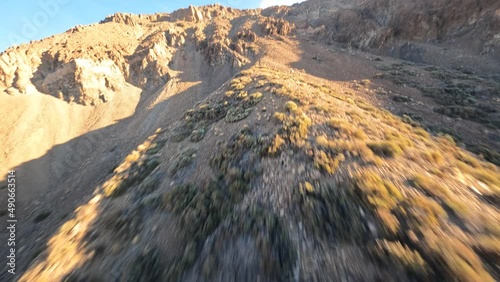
(421, 214)
(487, 153)
(295, 126)
(203, 207)
(147, 266)
(291, 106)
(365, 82)
(458, 97)
(151, 183)
(401, 98)
(433, 157)
(197, 135)
(329, 210)
(327, 163)
(398, 254)
(433, 188)
(379, 193)
(276, 145)
(135, 168)
(469, 113)
(185, 158)
(455, 91)
(237, 114)
(124, 223)
(403, 214)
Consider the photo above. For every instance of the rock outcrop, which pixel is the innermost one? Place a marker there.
(189, 14)
(273, 26)
(372, 24)
(199, 14)
(128, 19)
(84, 81)
(148, 66)
(15, 72)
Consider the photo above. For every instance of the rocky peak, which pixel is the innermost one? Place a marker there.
(204, 13)
(151, 41)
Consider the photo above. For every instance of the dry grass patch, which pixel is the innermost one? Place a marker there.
(379, 193)
(135, 168)
(399, 254)
(327, 163)
(295, 127)
(388, 149)
(433, 156)
(433, 188)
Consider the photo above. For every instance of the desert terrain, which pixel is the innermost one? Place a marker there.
(325, 141)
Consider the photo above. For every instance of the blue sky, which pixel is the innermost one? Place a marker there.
(25, 20)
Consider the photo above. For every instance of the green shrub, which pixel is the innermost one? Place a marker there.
(197, 135)
(401, 99)
(237, 113)
(184, 159)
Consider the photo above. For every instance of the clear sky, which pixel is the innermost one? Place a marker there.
(25, 20)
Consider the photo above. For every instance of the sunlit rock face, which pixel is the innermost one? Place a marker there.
(84, 81)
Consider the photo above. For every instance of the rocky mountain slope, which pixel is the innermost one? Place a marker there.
(326, 141)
